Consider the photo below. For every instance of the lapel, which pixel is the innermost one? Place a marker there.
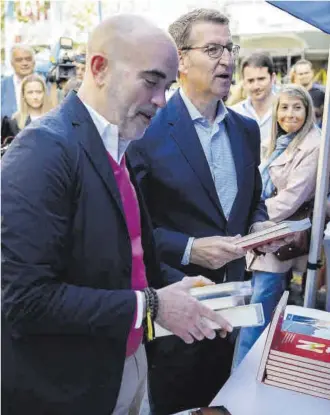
(284, 158)
(93, 146)
(184, 133)
(307, 144)
(237, 144)
(235, 136)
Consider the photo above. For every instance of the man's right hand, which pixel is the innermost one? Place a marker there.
(215, 251)
(185, 316)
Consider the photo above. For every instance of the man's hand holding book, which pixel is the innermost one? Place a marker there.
(274, 245)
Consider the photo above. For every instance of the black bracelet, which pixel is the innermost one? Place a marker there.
(155, 303)
(152, 301)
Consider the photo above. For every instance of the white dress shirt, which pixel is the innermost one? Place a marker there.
(265, 123)
(17, 85)
(116, 147)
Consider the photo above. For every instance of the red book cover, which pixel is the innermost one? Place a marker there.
(301, 345)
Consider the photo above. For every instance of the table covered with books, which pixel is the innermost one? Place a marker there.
(243, 394)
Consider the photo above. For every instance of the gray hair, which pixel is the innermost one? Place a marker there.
(180, 29)
(21, 46)
(301, 93)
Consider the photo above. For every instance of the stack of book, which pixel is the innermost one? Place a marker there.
(228, 299)
(297, 352)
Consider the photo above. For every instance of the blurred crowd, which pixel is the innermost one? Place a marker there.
(26, 96)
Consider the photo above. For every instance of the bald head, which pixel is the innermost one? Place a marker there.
(130, 64)
(119, 35)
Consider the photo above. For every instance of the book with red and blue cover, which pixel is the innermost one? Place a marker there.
(301, 347)
(297, 351)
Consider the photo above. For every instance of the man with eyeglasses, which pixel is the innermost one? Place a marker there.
(23, 63)
(80, 275)
(198, 168)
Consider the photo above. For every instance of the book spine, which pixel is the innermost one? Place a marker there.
(284, 368)
(300, 385)
(308, 380)
(296, 389)
(294, 363)
(300, 358)
(274, 325)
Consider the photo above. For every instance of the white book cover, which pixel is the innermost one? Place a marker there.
(241, 316)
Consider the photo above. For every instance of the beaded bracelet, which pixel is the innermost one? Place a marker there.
(152, 305)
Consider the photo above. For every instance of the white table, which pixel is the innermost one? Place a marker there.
(242, 394)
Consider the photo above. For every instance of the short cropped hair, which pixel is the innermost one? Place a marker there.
(21, 46)
(180, 29)
(258, 60)
(302, 62)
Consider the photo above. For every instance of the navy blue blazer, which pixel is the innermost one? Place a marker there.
(176, 181)
(8, 97)
(67, 307)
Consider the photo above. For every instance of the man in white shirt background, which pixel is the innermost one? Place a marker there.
(259, 78)
(23, 63)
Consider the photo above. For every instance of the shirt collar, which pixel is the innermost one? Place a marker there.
(109, 134)
(16, 79)
(196, 115)
(249, 108)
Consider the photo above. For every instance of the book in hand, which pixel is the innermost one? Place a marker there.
(278, 231)
(240, 316)
(297, 352)
(227, 289)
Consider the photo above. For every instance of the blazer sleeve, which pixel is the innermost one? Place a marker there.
(258, 209)
(170, 245)
(37, 177)
(300, 188)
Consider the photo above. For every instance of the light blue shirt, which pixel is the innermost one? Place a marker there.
(216, 146)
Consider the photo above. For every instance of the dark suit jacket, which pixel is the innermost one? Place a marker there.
(8, 97)
(176, 181)
(67, 307)
(181, 197)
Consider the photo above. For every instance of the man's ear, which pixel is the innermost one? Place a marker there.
(99, 67)
(182, 63)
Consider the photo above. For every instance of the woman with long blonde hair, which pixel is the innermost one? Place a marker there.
(288, 175)
(34, 102)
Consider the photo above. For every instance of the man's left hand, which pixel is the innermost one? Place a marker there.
(272, 246)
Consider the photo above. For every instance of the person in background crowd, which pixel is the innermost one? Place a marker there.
(289, 180)
(237, 94)
(23, 63)
(258, 80)
(198, 168)
(80, 62)
(33, 103)
(77, 247)
(72, 85)
(303, 75)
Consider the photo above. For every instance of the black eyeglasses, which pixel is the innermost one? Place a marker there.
(215, 51)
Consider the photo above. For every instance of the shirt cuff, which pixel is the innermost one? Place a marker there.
(186, 256)
(139, 309)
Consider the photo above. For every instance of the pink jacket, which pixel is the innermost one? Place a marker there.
(294, 176)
